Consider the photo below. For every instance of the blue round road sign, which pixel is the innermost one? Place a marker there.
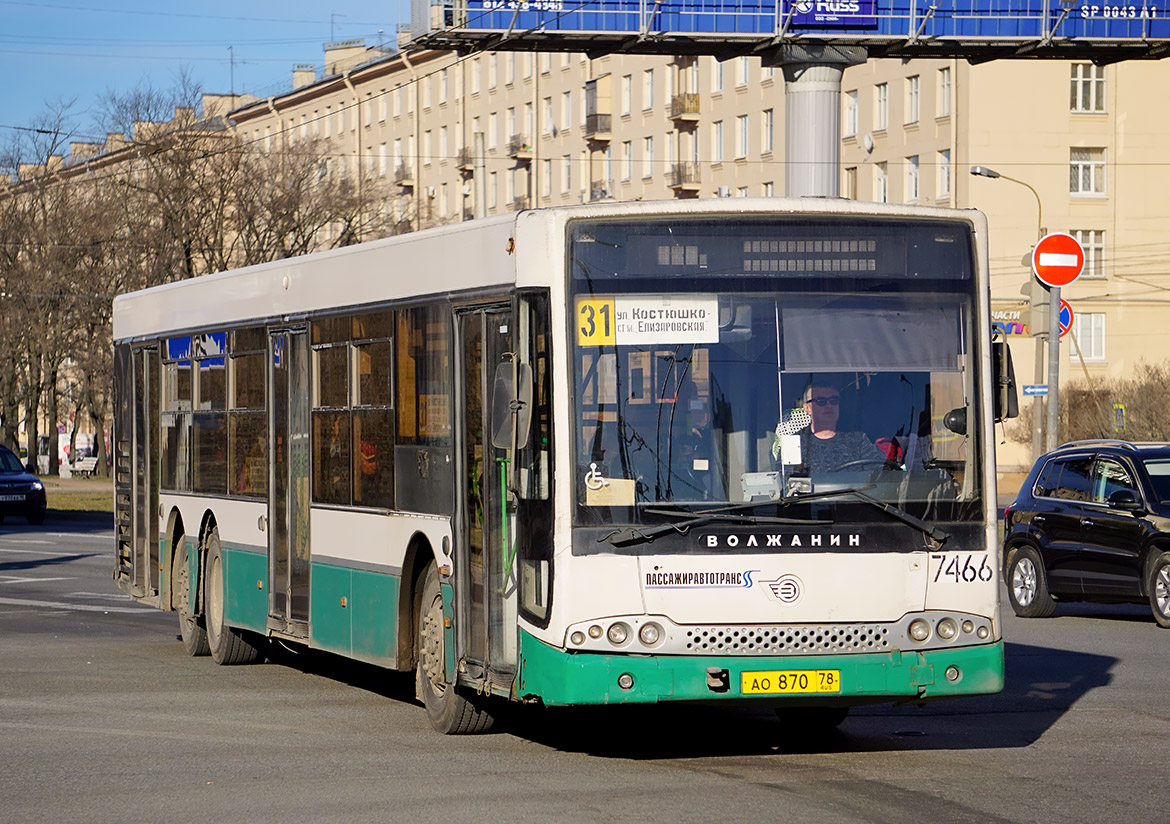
(1066, 316)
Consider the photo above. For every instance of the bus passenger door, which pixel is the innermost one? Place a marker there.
(144, 476)
(485, 582)
(288, 485)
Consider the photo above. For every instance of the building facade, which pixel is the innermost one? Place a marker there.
(1079, 149)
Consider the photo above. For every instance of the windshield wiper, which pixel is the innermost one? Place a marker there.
(725, 514)
(932, 532)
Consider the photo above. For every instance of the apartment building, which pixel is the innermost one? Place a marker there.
(1080, 149)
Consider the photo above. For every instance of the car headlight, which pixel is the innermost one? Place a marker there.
(37, 486)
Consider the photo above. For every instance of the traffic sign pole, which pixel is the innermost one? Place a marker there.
(1057, 260)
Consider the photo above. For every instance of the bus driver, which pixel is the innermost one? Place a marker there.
(823, 448)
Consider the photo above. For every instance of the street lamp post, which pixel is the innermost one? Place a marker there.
(1034, 284)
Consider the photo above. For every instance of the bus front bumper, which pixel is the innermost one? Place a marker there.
(559, 678)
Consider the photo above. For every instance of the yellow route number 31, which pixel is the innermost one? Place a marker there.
(595, 322)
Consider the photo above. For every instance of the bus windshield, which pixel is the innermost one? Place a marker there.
(768, 360)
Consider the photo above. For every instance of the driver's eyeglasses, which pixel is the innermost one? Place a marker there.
(834, 400)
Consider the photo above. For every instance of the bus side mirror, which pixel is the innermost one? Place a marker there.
(511, 405)
(1003, 380)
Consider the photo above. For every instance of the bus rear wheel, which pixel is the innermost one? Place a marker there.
(449, 712)
(228, 645)
(191, 629)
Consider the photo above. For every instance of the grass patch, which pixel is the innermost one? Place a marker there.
(79, 495)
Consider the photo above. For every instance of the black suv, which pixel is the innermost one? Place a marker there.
(1091, 523)
(21, 492)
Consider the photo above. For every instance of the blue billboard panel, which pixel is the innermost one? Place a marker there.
(932, 27)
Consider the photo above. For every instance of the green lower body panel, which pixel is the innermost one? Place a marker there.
(354, 612)
(246, 597)
(560, 678)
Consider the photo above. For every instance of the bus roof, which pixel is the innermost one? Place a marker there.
(477, 254)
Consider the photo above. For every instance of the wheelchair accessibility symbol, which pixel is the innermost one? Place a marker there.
(594, 479)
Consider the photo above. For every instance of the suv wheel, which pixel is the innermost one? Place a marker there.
(1158, 586)
(1027, 585)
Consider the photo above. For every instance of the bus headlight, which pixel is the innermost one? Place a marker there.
(578, 638)
(650, 634)
(618, 634)
(595, 631)
(919, 630)
(947, 629)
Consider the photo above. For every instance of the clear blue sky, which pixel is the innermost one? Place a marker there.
(75, 50)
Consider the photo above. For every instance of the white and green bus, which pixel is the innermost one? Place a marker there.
(580, 456)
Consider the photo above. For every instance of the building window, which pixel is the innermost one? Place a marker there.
(426, 147)
(717, 141)
(742, 191)
(741, 136)
(444, 84)
(766, 133)
(444, 144)
(881, 183)
(912, 98)
(1093, 242)
(881, 106)
(567, 183)
(492, 192)
(1087, 92)
(444, 201)
(1089, 330)
(627, 159)
(741, 73)
(716, 76)
(647, 157)
(545, 62)
(493, 129)
(769, 189)
(566, 110)
(912, 178)
(1086, 172)
(547, 126)
(647, 88)
(627, 91)
(944, 173)
(493, 70)
(944, 92)
(849, 183)
(851, 119)
(546, 177)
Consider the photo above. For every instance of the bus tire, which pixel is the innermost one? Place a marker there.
(1158, 585)
(1027, 585)
(191, 629)
(227, 645)
(449, 711)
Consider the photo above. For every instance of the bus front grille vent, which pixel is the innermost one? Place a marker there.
(808, 639)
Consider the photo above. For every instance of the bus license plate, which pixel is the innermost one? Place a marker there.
(11, 497)
(789, 682)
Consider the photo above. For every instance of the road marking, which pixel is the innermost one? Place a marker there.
(30, 541)
(22, 602)
(12, 579)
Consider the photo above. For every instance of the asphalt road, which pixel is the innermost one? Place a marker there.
(103, 719)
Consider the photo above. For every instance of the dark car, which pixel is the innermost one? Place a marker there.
(1091, 523)
(21, 492)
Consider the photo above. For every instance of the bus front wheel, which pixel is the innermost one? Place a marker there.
(449, 712)
(228, 645)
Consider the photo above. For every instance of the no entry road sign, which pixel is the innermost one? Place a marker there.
(1058, 259)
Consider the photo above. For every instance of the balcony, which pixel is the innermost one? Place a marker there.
(520, 147)
(404, 176)
(599, 127)
(601, 190)
(684, 108)
(464, 160)
(684, 177)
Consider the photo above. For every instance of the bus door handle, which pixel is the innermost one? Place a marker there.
(1086, 522)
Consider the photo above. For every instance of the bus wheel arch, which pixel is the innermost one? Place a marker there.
(419, 555)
